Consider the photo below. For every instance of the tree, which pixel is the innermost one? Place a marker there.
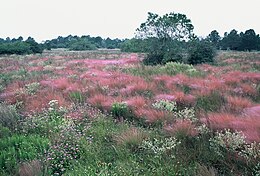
(200, 52)
(214, 38)
(173, 26)
(164, 36)
(231, 41)
(249, 40)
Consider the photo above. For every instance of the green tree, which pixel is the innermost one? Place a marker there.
(164, 36)
(214, 38)
(249, 40)
(174, 26)
(231, 41)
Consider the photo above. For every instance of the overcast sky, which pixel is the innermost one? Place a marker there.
(47, 19)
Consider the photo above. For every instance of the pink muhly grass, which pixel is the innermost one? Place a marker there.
(248, 90)
(42, 100)
(101, 101)
(61, 83)
(184, 99)
(136, 102)
(168, 97)
(150, 115)
(232, 78)
(252, 111)
(250, 126)
(181, 128)
(136, 87)
(237, 104)
(219, 121)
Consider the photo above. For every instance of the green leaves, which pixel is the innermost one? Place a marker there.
(173, 26)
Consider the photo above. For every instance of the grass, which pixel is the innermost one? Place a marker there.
(116, 116)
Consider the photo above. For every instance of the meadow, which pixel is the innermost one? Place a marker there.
(105, 113)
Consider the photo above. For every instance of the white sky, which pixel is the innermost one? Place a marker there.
(47, 19)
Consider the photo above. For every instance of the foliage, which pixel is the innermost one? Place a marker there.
(82, 45)
(19, 148)
(247, 41)
(84, 42)
(200, 52)
(173, 26)
(4, 132)
(16, 46)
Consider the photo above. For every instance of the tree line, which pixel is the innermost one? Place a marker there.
(243, 41)
(76, 43)
(20, 46)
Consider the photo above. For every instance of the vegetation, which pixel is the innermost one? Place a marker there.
(82, 43)
(18, 46)
(113, 113)
(117, 116)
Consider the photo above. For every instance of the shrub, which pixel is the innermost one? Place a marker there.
(173, 68)
(4, 132)
(153, 59)
(200, 52)
(227, 140)
(169, 106)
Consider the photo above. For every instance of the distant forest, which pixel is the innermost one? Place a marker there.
(244, 41)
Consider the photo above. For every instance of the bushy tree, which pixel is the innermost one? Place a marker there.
(164, 36)
(200, 52)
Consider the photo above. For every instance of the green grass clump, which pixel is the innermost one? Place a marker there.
(8, 116)
(211, 102)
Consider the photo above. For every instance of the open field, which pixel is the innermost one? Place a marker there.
(105, 113)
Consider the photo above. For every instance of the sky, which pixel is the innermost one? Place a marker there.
(48, 19)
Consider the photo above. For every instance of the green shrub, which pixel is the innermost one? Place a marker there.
(4, 132)
(153, 59)
(19, 148)
(200, 52)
